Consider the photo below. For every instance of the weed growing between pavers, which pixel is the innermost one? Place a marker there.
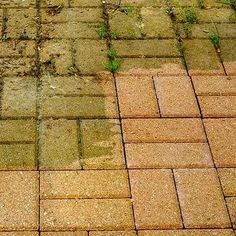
(201, 4)
(114, 63)
(190, 16)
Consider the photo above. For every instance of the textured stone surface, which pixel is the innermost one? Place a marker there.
(93, 214)
(201, 200)
(231, 203)
(168, 155)
(137, 97)
(221, 134)
(18, 201)
(228, 180)
(84, 184)
(155, 200)
(113, 233)
(176, 97)
(163, 130)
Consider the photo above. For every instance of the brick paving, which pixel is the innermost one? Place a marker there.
(145, 150)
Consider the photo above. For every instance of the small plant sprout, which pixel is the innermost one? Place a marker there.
(112, 53)
(215, 39)
(128, 10)
(102, 31)
(114, 35)
(201, 4)
(114, 64)
(190, 16)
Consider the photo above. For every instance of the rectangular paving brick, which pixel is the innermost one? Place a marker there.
(112, 233)
(17, 157)
(201, 199)
(23, 233)
(17, 3)
(17, 130)
(92, 214)
(231, 204)
(83, 107)
(73, 85)
(18, 200)
(228, 180)
(85, 3)
(19, 97)
(176, 97)
(137, 97)
(101, 144)
(84, 184)
(218, 106)
(72, 233)
(214, 85)
(148, 48)
(59, 148)
(54, 3)
(155, 200)
(221, 134)
(163, 130)
(199, 232)
(201, 58)
(168, 155)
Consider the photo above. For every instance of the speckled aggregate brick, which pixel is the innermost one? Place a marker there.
(228, 180)
(19, 197)
(112, 233)
(221, 134)
(180, 100)
(201, 199)
(168, 155)
(92, 214)
(231, 203)
(155, 200)
(68, 233)
(23, 233)
(218, 106)
(137, 97)
(163, 130)
(84, 184)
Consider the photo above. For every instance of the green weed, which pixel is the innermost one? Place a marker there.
(113, 65)
(112, 54)
(215, 39)
(201, 4)
(102, 31)
(114, 35)
(231, 3)
(190, 16)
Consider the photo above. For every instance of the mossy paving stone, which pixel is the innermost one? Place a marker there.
(85, 3)
(201, 58)
(17, 3)
(101, 145)
(191, 3)
(228, 53)
(54, 3)
(17, 157)
(19, 97)
(138, 3)
(59, 145)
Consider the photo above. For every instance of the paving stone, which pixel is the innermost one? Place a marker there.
(85, 3)
(18, 198)
(214, 85)
(54, 3)
(74, 107)
(168, 155)
(17, 157)
(139, 3)
(201, 58)
(221, 134)
(152, 66)
(84, 184)
(91, 55)
(112, 233)
(19, 97)
(155, 200)
(218, 106)
(17, 130)
(231, 203)
(17, 3)
(226, 30)
(228, 180)
(70, 30)
(78, 85)
(72, 15)
(191, 3)
(137, 97)
(163, 130)
(179, 100)
(21, 23)
(87, 214)
(210, 232)
(17, 66)
(102, 144)
(146, 22)
(146, 48)
(13, 48)
(228, 53)
(201, 200)
(23, 233)
(73, 233)
(55, 57)
(59, 145)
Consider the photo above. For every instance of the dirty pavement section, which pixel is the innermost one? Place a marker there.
(117, 118)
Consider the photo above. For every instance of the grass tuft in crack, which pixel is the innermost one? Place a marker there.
(190, 16)
(114, 64)
(102, 31)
